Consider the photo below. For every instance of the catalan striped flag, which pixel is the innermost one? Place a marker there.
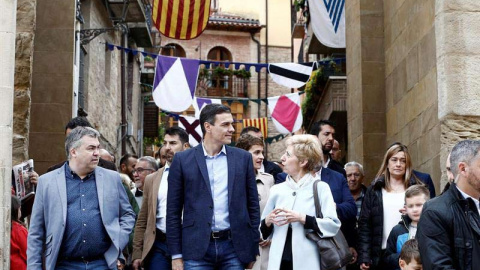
(260, 123)
(181, 19)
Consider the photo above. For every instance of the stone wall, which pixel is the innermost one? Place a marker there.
(411, 82)
(26, 19)
(365, 84)
(52, 81)
(102, 76)
(103, 82)
(457, 46)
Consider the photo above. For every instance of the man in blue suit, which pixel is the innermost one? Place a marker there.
(81, 217)
(214, 186)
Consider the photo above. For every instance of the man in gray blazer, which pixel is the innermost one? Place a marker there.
(81, 216)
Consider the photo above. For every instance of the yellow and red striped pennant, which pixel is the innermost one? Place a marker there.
(260, 123)
(181, 19)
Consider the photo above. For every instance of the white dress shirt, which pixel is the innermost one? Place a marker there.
(466, 196)
(162, 200)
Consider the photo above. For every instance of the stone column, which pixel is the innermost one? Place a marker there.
(26, 18)
(8, 14)
(457, 27)
(365, 84)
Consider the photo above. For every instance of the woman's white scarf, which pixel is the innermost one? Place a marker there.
(305, 180)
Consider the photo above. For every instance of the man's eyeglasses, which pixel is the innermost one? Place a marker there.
(140, 170)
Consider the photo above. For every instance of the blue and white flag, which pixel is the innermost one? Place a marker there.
(291, 75)
(175, 83)
(328, 21)
(200, 103)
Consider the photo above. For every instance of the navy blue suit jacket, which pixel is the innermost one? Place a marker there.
(189, 191)
(346, 208)
(427, 180)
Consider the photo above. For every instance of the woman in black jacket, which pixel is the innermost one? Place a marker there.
(382, 204)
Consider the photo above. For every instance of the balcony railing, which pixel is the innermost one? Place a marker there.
(222, 84)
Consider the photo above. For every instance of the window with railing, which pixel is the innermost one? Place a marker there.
(220, 81)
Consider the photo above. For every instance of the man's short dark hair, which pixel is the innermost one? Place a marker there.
(124, 159)
(245, 130)
(182, 134)
(209, 113)
(464, 151)
(78, 121)
(317, 126)
(410, 251)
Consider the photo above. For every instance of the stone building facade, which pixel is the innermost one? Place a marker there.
(412, 73)
(243, 48)
(55, 76)
(26, 18)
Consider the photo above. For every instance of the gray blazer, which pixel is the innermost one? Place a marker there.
(47, 223)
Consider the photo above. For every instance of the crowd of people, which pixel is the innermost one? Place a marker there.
(216, 206)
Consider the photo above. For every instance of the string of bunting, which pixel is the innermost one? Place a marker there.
(230, 100)
(268, 140)
(213, 64)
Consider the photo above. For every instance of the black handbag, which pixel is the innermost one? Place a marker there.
(334, 251)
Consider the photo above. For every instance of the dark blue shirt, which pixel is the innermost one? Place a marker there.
(84, 236)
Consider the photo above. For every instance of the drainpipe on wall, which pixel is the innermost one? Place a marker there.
(123, 94)
(258, 73)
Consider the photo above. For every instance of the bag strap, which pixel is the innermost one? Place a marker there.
(318, 208)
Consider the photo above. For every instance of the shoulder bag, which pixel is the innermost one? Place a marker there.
(334, 251)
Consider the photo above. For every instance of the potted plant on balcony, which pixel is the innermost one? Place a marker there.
(242, 73)
(148, 62)
(219, 72)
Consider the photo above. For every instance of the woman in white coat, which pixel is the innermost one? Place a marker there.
(290, 210)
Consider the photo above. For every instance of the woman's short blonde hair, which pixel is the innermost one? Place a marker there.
(307, 147)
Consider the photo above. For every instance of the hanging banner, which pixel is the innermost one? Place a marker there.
(286, 112)
(328, 21)
(180, 19)
(192, 126)
(175, 83)
(200, 103)
(260, 123)
(291, 75)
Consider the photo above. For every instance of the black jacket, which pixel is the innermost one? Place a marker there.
(370, 224)
(397, 237)
(449, 232)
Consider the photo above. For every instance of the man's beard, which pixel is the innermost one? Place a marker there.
(325, 151)
(170, 157)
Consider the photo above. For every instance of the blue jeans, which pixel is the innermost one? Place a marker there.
(220, 256)
(76, 265)
(159, 257)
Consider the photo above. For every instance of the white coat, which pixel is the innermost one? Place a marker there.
(304, 251)
(265, 181)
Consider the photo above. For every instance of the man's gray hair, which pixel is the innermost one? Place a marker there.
(354, 163)
(464, 151)
(74, 139)
(150, 160)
